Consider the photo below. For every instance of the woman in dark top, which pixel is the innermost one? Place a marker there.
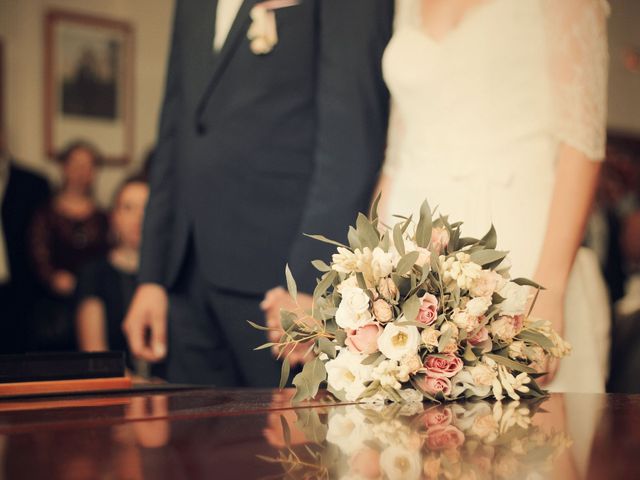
(66, 234)
(105, 286)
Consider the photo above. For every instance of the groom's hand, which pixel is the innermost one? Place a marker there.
(278, 299)
(146, 323)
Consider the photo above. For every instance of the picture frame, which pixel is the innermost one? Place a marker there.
(88, 83)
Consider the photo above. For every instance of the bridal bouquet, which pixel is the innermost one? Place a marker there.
(472, 440)
(417, 311)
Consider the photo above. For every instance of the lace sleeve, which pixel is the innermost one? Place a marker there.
(578, 56)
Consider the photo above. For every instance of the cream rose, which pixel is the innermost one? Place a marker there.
(382, 311)
(505, 328)
(397, 342)
(430, 337)
(388, 289)
(478, 306)
(486, 284)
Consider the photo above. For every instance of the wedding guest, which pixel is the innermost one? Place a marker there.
(68, 232)
(263, 136)
(106, 285)
(21, 194)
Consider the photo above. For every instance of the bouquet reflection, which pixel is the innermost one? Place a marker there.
(478, 440)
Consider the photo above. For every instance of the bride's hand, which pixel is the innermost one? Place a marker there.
(550, 306)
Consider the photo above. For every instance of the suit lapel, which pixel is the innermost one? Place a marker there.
(221, 59)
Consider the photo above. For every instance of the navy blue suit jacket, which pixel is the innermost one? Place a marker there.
(255, 150)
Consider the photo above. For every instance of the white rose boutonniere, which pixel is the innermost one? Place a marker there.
(263, 32)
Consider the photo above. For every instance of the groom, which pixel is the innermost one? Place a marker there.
(261, 139)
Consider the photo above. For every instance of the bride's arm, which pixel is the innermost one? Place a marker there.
(575, 184)
(578, 60)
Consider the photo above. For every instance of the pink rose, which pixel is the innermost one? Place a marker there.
(443, 437)
(480, 336)
(428, 310)
(365, 339)
(433, 385)
(439, 415)
(438, 367)
(439, 239)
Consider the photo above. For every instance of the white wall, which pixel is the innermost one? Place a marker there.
(624, 86)
(22, 30)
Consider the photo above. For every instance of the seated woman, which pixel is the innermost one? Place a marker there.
(66, 234)
(106, 285)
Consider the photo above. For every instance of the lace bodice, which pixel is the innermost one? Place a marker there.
(509, 72)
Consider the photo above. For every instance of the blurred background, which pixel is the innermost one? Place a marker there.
(80, 90)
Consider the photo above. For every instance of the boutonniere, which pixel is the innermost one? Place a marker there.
(263, 32)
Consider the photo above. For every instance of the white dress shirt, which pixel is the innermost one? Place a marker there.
(225, 15)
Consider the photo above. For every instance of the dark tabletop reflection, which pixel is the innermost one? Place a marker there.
(245, 435)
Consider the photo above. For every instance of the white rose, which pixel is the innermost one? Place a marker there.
(478, 306)
(515, 298)
(397, 342)
(382, 263)
(347, 373)
(353, 311)
(399, 463)
(349, 282)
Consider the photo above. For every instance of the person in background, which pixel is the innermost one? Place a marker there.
(66, 234)
(106, 285)
(21, 194)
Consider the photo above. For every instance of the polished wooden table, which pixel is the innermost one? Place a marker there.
(196, 433)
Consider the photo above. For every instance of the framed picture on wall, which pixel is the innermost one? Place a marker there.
(88, 84)
(1, 83)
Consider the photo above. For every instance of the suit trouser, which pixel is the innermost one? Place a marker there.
(210, 341)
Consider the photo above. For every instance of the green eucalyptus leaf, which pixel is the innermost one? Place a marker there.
(406, 263)
(354, 239)
(321, 266)
(259, 327)
(327, 346)
(367, 232)
(425, 225)
(485, 257)
(324, 284)
(512, 364)
(291, 284)
(411, 307)
(286, 431)
(308, 381)
(490, 240)
(538, 338)
(284, 373)
(528, 283)
(373, 213)
(323, 239)
(398, 240)
(287, 319)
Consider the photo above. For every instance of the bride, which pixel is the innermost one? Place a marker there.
(498, 116)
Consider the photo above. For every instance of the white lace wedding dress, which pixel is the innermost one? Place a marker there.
(477, 120)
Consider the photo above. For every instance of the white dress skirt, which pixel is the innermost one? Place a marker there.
(477, 120)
